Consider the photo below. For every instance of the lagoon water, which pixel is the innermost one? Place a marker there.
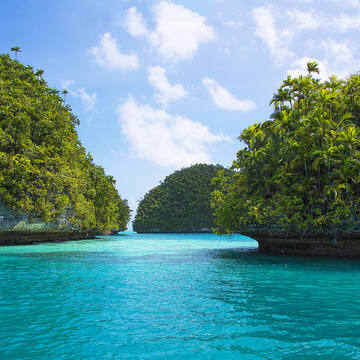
(173, 296)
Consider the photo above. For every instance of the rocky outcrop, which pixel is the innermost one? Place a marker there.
(275, 241)
(18, 228)
(204, 230)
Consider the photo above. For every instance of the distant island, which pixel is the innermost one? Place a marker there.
(295, 187)
(50, 189)
(180, 204)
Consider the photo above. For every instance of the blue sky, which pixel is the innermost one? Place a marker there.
(159, 85)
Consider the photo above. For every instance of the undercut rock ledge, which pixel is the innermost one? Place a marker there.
(344, 244)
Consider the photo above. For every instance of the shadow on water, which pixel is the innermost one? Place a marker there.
(251, 256)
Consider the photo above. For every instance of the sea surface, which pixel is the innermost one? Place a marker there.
(178, 296)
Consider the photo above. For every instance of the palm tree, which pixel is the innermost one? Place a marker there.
(64, 92)
(39, 73)
(313, 67)
(16, 50)
(280, 98)
(349, 136)
(334, 83)
(253, 136)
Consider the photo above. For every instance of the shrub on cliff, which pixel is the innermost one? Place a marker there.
(180, 203)
(45, 171)
(300, 171)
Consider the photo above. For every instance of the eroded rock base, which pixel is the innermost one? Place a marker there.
(310, 246)
(25, 238)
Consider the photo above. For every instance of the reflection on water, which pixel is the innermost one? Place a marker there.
(175, 296)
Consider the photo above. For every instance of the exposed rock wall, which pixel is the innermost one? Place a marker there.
(204, 230)
(17, 228)
(274, 241)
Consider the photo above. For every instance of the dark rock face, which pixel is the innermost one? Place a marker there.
(310, 246)
(343, 244)
(204, 230)
(26, 238)
(18, 229)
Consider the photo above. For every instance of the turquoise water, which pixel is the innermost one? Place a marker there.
(175, 297)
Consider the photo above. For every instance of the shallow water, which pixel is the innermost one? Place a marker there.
(174, 296)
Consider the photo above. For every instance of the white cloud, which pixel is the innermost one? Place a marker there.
(305, 20)
(351, 3)
(300, 68)
(232, 23)
(275, 40)
(223, 99)
(135, 23)
(66, 84)
(339, 60)
(165, 91)
(337, 56)
(178, 31)
(88, 100)
(346, 22)
(108, 55)
(340, 57)
(165, 139)
(341, 52)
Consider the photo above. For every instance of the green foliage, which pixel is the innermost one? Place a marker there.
(45, 170)
(16, 50)
(180, 203)
(299, 172)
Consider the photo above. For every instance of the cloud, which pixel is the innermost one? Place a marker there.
(274, 39)
(299, 67)
(232, 23)
(88, 100)
(341, 52)
(336, 57)
(135, 23)
(305, 20)
(345, 22)
(66, 84)
(108, 55)
(351, 3)
(178, 31)
(338, 60)
(165, 91)
(165, 139)
(223, 99)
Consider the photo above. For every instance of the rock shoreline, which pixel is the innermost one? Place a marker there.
(204, 230)
(312, 247)
(21, 229)
(343, 244)
(26, 238)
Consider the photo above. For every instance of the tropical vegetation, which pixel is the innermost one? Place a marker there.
(299, 172)
(45, 171)
(181, 203)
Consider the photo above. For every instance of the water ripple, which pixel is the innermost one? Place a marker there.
(177, 297)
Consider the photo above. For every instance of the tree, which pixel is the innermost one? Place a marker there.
(312, 67)
(16, 50)
(181, 203)
(39, 73)
(45, 170)
(300, 172)
(65, 92)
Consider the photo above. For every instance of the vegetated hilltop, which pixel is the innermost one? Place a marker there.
(299, 174)
(45, 171)
(181, 203)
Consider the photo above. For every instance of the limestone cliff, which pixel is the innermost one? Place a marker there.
(318, 243)
(17, 228)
